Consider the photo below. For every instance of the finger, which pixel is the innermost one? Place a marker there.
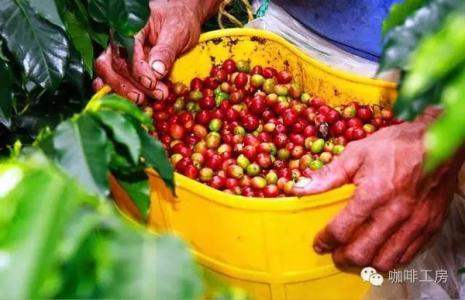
(333, 175)
(163, 54)
(121, 66)
(97, 84)
(395, 247)
(413, 249)
(121, 85)
(365, 246)
(161, 91)
(339, 257)
(341, 229)
(140, 67)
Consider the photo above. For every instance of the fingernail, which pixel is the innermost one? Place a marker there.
(159, 67)
(158, 94)
(318, 249)
(302, 183)
(146, 82)
(134, 96)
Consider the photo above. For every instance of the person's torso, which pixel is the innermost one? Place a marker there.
(354, 25)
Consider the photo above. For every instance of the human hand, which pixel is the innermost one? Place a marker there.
(173, 28)
(395, 209)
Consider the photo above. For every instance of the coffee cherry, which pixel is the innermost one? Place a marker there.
(339, 128)
(250, 122)
(369, 128)
(317, 146)
(281, 90)
(305, 98)
(295, 90)
(316, 165)
(257, 80)
(338, 149)
(268, 88)
(264, 160)
(213, 140)
(241, 80)
(196, 84)
(253, 169)
(205, 174)
(235, 171)
(232, 183)
(359, 134)
(229, 66)
(364, 113)
(349, 112)
(284, 77)
(258, 183)
(218, 182)
(326, 157)
(283, 154)
(191, 171)
(271, 191)
(289, 188)
(175, 158)
(355, 122)
(243, 161)
(297, 152)
(386, 114)
(243, 66)
(257, 70)
(183, 163)
(215, 125)
(290, 117)
(177, 131)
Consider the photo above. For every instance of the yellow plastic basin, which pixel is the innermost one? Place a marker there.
(264, 245)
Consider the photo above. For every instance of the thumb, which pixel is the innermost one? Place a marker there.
(334, 175)
(163, 54)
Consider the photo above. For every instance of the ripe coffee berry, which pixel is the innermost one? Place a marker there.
(254, 131)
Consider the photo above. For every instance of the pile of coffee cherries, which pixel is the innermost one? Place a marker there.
(254, 131)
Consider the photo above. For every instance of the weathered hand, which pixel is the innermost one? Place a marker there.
(173, 28)
(395, 209)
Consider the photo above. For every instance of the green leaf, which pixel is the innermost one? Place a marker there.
(446, 49)
(122, 131)
(139, 191)
(48, 9)
(80, 11)
(126, 17)
(402, 40)
(148, 274)
(81, 150)
(447, 134)
(39, 46)
(410, 108)
(399, 12)
(97, 10)
(6, 94)
(117, 103)
(42, 203)
(78, 247)
(126, 42)
(156, 157)
(75, 71)
(81, 40)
